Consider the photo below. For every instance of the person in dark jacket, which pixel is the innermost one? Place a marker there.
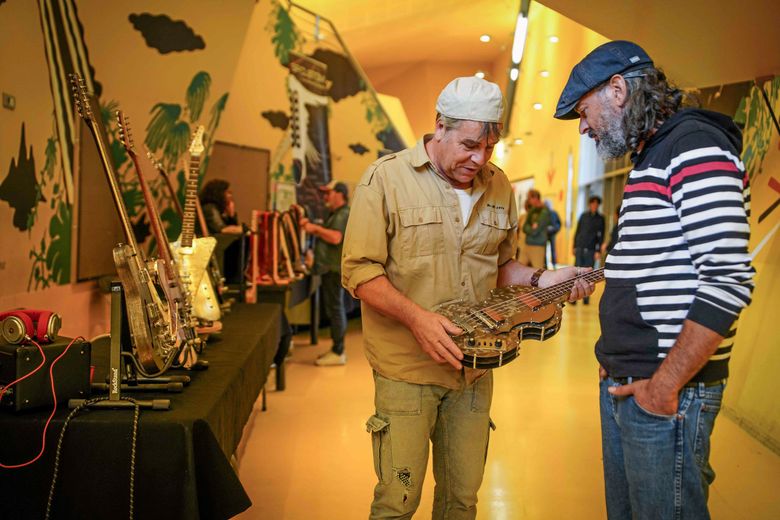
(219, 212)
(676, 280)
(588, 237)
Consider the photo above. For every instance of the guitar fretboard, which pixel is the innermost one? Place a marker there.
(532, 300)
(190, 203)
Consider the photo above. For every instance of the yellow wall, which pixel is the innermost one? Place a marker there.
(754, 385)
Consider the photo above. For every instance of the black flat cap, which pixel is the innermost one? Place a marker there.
(603, 62)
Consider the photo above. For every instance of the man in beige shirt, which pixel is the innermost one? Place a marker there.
(431, 224)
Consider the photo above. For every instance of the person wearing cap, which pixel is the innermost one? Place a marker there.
(535, 227)
(431, 224)
(588, 236)
(327, 263)
(676, 279)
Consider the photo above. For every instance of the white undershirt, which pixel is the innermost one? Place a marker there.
(466, 202)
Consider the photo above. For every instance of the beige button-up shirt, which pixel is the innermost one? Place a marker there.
(405, 223)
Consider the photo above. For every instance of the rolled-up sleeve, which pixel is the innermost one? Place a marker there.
(365, 242)
(508, 247)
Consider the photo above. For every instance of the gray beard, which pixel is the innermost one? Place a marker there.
(612, 140)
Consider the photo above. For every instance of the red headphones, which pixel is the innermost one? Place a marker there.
(22, 325)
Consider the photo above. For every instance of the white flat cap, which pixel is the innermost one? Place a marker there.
(471, 98)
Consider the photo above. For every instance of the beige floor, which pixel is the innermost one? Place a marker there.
(309, 457)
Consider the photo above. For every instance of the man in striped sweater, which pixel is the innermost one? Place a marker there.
(676, 280)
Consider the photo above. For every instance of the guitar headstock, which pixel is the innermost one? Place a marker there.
(125, 133)
(196, 146)
(81, 96)
(158, 165)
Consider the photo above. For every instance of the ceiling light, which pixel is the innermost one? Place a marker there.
(553, 39)
(544, 73)
(537, 106)
(514, 72)
(521, 29)
(484, 38)
(480, 74)
(518, 141)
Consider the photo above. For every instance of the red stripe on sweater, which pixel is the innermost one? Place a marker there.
(647, 186)
(696, 169)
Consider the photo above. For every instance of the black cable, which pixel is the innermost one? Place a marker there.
(136, 415)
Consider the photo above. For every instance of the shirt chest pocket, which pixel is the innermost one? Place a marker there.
(493, 228)
(422, 231)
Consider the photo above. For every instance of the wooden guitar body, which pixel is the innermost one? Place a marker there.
(491, 340)
(494, 328)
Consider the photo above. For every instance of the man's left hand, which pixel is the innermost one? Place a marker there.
(581, 287)
(648, 397)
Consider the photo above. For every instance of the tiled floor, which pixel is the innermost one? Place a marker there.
(309, 457)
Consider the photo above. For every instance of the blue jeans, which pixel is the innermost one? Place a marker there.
(657, 466)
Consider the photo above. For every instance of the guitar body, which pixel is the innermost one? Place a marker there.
(193, 263)
(492, 336)
(152, 336)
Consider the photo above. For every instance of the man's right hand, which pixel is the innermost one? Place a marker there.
(432, 331)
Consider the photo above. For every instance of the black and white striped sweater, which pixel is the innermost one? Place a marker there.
(682, 249)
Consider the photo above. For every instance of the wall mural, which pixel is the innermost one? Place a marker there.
(166, 35)
(307, 134)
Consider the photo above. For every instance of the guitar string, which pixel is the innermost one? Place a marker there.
(545, 296)
(550, 294)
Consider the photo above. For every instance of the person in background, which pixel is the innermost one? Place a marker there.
(522, 251)
(219, 211)
(588, 237)
(676, 280)
(327, 264)
(535, 228)
(429, 225)
(552, 230)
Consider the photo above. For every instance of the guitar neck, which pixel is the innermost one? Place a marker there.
(561, 291)
(188, 220)
(98, 130)
(154, 218)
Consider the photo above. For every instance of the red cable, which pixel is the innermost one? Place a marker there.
(53, 393)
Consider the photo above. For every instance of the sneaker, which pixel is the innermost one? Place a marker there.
(330, 358)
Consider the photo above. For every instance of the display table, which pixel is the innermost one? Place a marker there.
(182, 461)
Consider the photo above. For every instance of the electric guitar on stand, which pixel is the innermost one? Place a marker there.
(214, 282)
(177, 293)
(154, 333)
(194, 254)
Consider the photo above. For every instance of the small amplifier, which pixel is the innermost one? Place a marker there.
(71, 374)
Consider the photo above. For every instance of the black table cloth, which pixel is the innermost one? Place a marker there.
(182, 461)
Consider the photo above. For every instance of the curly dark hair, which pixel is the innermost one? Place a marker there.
(214, 192)
(652, 99)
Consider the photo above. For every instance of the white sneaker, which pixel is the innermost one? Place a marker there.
(330, 358)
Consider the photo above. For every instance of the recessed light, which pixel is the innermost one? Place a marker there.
(480, 74)
(484, 38)
(518, 141)
(514, 73)
(553, 39)
(537, 106)
(544, 73)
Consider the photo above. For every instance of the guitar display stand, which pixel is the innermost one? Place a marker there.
(118, 368)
